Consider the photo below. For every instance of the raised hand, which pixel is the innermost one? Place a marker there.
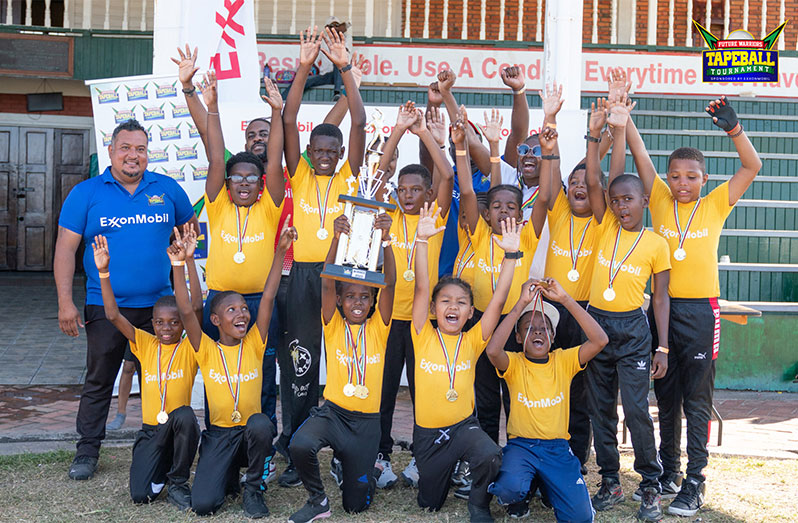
(428, 216)
(288, 235)
(510, 240)
(309, 45)
(336, 43)
(513, 78)
(446, 80)
(420, 123)
(189, 240)
(273, 96)
(548, 140)
(493, 126)
(407, 116)
(722, 114)
(552, 290)
(528, 292)
(186, 66)
(177, 250)
(458, 132)
(357, 67)
(208, 88)
(552, 100)
(619, 111)
(617, 84)
(436, 123)
(434, 97)
(341, 226)
(101, 256)
(383, 222)
(598, 115)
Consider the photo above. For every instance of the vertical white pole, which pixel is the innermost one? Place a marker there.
(539, 28)
(688, 38)
(86, 14)
(614, 22)
(763, 32)
(143, 24)
(562, 49)
(745, 15)
(464, 32)
(125, 15)
(67, 23)
(313, 13)
(670, 23)
(28, 12)
(332, 8)
(425, 32)
(651, 37)
(445, 26)
(781, 21)
(482, 20)
(257, 16)
(389, 21)
(292, 27)
(726, 9)
(407, 19)
(47, 19)
(10, 12)
(369, 29)
(707, 16)
(520, 35)
(501, 20)
(594, 36)
(274, 17)
(633, 30)
(107, 20)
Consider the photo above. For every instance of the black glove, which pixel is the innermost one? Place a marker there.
(724, 115)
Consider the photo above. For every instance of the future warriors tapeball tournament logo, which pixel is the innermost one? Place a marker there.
(740, 57)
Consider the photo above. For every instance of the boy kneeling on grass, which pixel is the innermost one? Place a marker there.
(239, 434)
(540, 384)
(167, 442)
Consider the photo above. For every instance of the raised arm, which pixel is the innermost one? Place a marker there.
(407, 115)
(723, 116)
(426, 229)
(495, 349)
(616, 120)
(309, 45)
(442, 166)
(191, 324)
(595, 193)
(287, 236)
(339, 56)
(275, 182)
(102, 260)
(329, 300)
(468, 198)
(385, 305)
(186, 69)
(341, 107)
(436, 124)
(552, 102)
(596, 337)
(434, 101)
(661, 302)
(64, 272)
(510, 243)
(189, 239)
(645, 167)
(548, 145)
(492, 132)
(214, 183)
(519, 123)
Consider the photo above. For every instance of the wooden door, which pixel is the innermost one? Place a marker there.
(35, 191)
(71, 153)
(9, 147)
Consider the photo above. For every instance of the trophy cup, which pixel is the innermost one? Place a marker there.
(358, 252)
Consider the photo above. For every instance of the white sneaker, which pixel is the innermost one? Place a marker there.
(410, 474)
(387, 478)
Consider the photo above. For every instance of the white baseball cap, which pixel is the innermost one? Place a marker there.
(549, 310)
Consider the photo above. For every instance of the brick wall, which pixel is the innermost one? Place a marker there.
(604, 9)
(73, 105)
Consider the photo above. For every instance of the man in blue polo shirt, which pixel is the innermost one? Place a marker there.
(135, 209)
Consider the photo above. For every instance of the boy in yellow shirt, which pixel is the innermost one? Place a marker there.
(239, 434)
(167, 442)
(539, 383)
(627, 255)
(316, 184)
(349, 421)
(691, 225)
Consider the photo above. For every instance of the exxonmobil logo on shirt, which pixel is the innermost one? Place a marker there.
(174, 375)
(430, 367)
(345, 359)
(691, 235)
(219, 377)
(137, 219)
(541, 403)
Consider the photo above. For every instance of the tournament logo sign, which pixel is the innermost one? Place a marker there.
(154, 113)
(173, 173)
(158, 155)
(740, 57)
(149, 133)
(107, 97)
(180, 111)
(201, 251)
(187, 152)
(123, 115)
(199, 172)
(169, 133)
(137, 93)
(107, 137)
(166, 91)
(193, 132)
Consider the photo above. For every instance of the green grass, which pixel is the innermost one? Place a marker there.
(36, 488)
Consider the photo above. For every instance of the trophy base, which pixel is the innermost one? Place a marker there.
(353, 275)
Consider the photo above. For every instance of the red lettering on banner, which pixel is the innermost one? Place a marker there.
(224, 74)
(788, 79)
(590, 71)
(485, 63)
(465, 68)
(224, 22)
(386, 68)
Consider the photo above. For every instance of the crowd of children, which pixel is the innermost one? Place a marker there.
(540, 313)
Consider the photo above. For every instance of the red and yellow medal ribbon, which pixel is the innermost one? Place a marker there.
(451, 364)
(683, 233)
(614, 273)
(575, 253)
(163, 379)
(227, 373)
(323, 208)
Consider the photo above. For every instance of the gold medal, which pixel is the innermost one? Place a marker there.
(162, 417)
(451, 395)
(361, 392)
(239, 257)
(236, 417)
(409, 275)
(349, 390)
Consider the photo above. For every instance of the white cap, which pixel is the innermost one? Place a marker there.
(337, 21)
(549, 310)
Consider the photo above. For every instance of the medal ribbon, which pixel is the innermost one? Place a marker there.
(451, 365)
(358, 362)
(537, 300)
(411, 249)
(463, 260)
(227, 373)
(614, 274)
(323, 209)
(575, 254)
(162, 388)
(683, 233)
(241, 234)
(492, 275)
(532, 197)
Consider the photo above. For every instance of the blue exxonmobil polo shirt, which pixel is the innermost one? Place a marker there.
(137, 227)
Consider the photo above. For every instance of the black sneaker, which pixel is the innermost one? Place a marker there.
(311, 512)
(289, 477)
(479, 514)
(650, 506)
(609, 495)
(518, 510)
(463, 492)
(254, 506)
(180, 496)
(462, 474)
(670, 483)
(337, 471)
(689, 499)
(83, 467)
